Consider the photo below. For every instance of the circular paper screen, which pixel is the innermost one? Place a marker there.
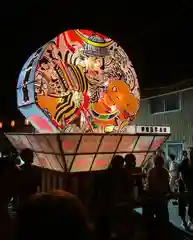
(81, 81)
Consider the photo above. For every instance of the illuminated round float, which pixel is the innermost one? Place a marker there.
(75, 89)
(81, 81)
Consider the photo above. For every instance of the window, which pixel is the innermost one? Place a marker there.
(157, 105)
(165, 103)
(172, 102)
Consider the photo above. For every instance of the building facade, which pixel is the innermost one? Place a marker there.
(170, 106)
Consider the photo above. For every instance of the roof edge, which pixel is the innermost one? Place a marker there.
(164, 90)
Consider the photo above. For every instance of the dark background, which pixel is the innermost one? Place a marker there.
(158, 37)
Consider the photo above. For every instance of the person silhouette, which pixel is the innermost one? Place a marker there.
(157, 189)
(186, 170)
(30, 176)
(130, 161)
(109, 187)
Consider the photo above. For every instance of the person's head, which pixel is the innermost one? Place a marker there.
(172, 157)
(130, 161)
(185, 154)
(27, 155)
(158, 161)
(117, 162)
(57, 213)
(160, 152)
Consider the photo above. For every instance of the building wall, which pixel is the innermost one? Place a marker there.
(181, 122)
(51, 180)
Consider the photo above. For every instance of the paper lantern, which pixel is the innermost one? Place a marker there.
(12, 123)
(81, 81)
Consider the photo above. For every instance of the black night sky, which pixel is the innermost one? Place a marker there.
(158, 38)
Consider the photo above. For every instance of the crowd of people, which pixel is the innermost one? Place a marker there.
(59, 213)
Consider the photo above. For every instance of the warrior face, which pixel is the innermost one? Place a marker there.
(94, 65)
